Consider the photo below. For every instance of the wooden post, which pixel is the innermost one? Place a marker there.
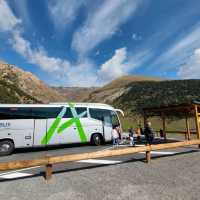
(164, 127)
(187, 127)
(148, 156)
(197, 122)
(48, 172)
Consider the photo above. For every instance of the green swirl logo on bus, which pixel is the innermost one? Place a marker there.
(59, 128)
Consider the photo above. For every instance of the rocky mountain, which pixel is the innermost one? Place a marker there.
(133, 93)
(75, 94)
(112, 91)
(18, 86)
(130, 93)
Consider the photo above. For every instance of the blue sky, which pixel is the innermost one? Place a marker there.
(91, 42)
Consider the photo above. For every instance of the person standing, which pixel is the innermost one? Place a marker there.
(115, 136)
(148, 132)
(131, 136)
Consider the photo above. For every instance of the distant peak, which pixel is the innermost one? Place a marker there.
(2, 62)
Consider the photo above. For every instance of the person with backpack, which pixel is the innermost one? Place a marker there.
(148, 132)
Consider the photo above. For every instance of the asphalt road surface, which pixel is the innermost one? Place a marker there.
(172, 174)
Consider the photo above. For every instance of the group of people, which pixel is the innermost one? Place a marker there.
(148, 133)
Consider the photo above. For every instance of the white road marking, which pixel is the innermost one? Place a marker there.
(123, 145)
(106, 149)
(140, 145)
(120, 145)
(162, 152)
(15, 175)
(96, 161)
(19, 170)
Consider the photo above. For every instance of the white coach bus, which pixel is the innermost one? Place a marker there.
(36, 125)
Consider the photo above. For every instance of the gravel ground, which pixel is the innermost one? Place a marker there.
(174, 177)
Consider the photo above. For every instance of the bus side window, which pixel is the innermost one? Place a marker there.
(45, 113)
(68, 113)
(81, 110)
(101, 114)
(96, 113)
(15, 113)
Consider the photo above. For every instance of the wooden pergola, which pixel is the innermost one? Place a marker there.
(182, 110)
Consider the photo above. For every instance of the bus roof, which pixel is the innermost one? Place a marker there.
(92, 105)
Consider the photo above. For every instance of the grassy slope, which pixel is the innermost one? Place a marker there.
(114, 89)
(171, 125)
(153, 94)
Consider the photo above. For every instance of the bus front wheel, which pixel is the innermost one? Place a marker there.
(97, 139)
(6, 147)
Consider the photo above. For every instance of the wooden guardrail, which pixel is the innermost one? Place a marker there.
(183, 132)
(48, 161)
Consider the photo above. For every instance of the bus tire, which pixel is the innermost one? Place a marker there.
(6, 147)
(97, 139)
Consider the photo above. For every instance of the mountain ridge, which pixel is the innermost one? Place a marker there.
(25, 82)
(129, 93)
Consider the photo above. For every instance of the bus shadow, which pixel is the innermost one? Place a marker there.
(50, 147)
(67, 146)
(131, 160)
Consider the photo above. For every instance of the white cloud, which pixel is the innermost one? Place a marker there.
(191, 69)
(120, 64)
(20, 45)
(22, 11)
(7, 19)
(61, 70)
(49, 64)
(83, 72)
(180, 50)
(64, 12)
(115, 67)
(64, 72)
(102, 23)
(37, 56)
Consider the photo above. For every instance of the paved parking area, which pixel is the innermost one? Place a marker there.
(174, 175)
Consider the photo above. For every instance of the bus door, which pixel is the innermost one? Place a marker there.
(110, 119)
(43, 117)
(39, 131)
(103, 116)
(107, 126)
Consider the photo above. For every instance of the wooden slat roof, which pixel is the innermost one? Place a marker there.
(172, 109)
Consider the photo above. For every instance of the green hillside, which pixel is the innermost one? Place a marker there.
(154, 94)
